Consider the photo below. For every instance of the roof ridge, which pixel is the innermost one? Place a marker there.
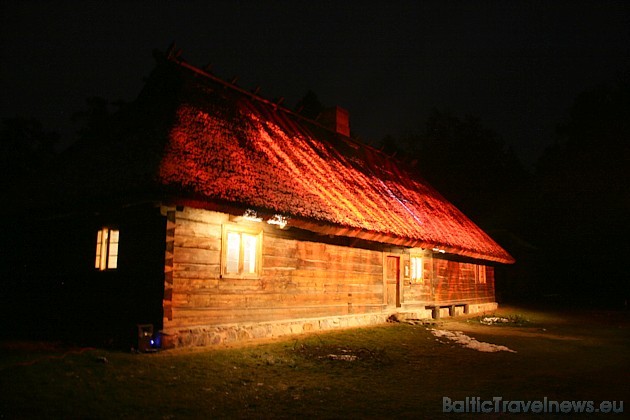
(326, 190)
(174, 55)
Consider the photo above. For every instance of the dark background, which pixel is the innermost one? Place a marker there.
(517, 111)
(516, 64)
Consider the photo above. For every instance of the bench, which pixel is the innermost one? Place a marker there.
(435, 309)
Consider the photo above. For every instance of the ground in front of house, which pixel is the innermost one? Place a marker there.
(406, 369)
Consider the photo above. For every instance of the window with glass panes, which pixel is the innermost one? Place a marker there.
(416, 269)
(107, 249)
(481, 274)
(241, 252)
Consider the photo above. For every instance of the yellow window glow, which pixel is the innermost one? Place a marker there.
(99, 246)
(241, 252)
(233, 252)
(416, 269)
(112, 254)
(249, 253)
(106, 249)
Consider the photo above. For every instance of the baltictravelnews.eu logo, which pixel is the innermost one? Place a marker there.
(544, 405)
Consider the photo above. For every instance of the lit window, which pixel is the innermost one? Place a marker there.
(106, 249)
(241, 252)
(416, 269)
(481, 274)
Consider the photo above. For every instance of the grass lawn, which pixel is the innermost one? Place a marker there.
(390, 371)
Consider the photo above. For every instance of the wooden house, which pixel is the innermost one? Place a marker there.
(217, 215)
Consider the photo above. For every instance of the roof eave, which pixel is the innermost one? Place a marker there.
(335, 230)
(325, 228)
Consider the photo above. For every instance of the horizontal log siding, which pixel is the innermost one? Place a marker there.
(456, 282)
(419, 292)
(300, 279)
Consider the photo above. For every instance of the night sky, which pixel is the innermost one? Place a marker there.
(518, 65)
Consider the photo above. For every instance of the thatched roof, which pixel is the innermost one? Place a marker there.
(196, 138)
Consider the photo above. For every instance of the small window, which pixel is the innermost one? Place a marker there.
(241, 252)
(416, 269)
(107, 249)
(481, 274)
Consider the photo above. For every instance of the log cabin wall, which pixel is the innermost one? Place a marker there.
(441, 280)
(462, 282)
(121, 298)
(57, 292)
(303, 281)
(417, 287)
(299, 278)
(133, 291)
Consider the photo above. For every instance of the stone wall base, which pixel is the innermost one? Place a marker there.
(475, 308)
(209, 335)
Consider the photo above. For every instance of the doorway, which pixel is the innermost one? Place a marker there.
(392, 280)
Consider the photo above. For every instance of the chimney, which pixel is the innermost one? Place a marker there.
(336, 119)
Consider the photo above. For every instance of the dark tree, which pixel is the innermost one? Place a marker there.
(24, 148)
(470, 165)
(309, 106)
(584, 198)
(91, 119)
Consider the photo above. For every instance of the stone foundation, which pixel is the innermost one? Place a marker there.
(414, 314)
(209, 335)
(475, 308)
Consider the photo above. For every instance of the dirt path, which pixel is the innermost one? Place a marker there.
(572, 325)
(531, 332)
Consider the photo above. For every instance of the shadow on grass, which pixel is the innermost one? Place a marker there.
(388, 371)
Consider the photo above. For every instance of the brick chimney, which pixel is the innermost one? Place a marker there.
(336, 119)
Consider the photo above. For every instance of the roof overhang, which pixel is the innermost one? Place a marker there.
(329, 229)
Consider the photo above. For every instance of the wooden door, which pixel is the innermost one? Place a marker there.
(392, 280)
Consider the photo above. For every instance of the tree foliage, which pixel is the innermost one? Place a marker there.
(309, 106)
(584, 194)
(94, 116)
(466, 162)
(24, 147)
(585, 175)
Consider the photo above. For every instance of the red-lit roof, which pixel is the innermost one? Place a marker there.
(229, 146)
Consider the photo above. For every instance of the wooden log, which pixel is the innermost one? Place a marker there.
(196, 256)
(186, 317)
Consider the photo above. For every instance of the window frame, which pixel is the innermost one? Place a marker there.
(416, 274)
(230, 228)
(481, 274)
(105, 258)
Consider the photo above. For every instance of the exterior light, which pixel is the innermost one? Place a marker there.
(278, 220)
(251, 215)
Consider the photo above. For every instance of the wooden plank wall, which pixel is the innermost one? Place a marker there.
(456, 282)
(419, 293)
(300, 278)
(446, 281)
